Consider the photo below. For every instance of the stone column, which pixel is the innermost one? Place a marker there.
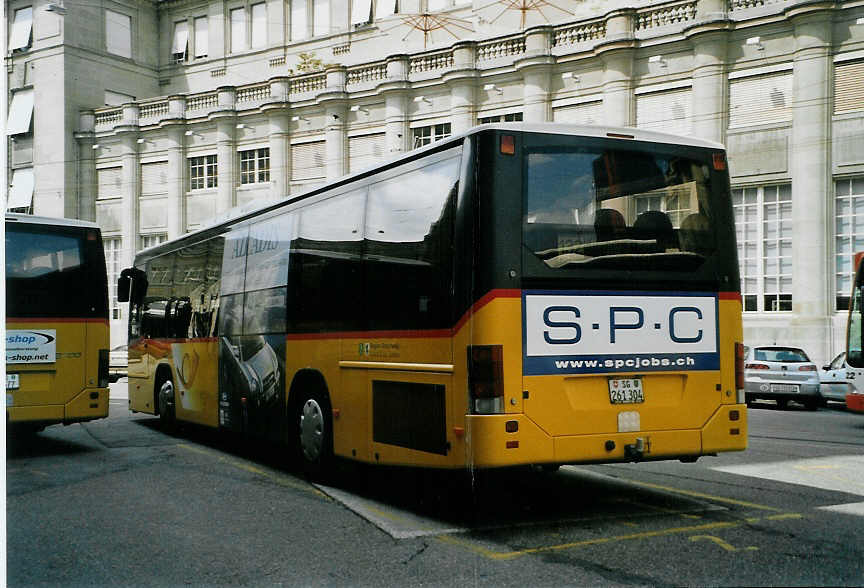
(462, 80)
(226, 160)
(176, 188)
(129, 174)
(280, 153)
(87, 188)
(811, 177)
(335, 102)
(709, 81)
(396, 90)
(617, 52)
(536, 68)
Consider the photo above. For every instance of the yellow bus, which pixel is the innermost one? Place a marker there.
(517, 294)
(56, 322)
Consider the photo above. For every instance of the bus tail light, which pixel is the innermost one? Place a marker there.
(486, 378)
(103, 368)
(739, 373)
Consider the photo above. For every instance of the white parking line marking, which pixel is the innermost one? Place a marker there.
(839, 473)
(854, 508)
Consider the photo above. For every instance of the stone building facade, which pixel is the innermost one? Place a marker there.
(226, 108)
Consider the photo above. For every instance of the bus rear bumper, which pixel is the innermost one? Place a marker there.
(491, 445)
(90, 404)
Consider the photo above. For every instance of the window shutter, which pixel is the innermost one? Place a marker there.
(299, 27)
(19, 38)
(307, 161)
(760, 100)
(259, 25)
(118, 33)
(238, 30)
(849, 87)
(201, 36)
(321, 17)
(181, 38)
(20, 113)
(589, 113)
(366, 150)
(109, 182)
(21, 192)
(154, 178)
(361, 12)
(669, 112)
(385, 8)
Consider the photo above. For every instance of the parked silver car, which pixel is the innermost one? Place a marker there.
(781, 374)
(832, 380)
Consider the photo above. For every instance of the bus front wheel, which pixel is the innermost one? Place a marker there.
(314, 421)
(166, 404)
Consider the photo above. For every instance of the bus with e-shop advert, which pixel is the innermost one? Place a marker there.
(56, 322)
(519, 294)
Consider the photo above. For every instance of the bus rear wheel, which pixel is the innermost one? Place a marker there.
(314, 422)
(165, 398)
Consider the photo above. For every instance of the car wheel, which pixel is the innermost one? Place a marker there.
(812, 404)
(314, 421)
(782, 403)
(167, 415)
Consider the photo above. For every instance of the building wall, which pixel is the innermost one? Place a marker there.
(760, 76)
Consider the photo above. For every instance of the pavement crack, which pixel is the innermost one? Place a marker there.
(420, 550)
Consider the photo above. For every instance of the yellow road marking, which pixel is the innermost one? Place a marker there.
(281, 480)
(505, 555)
(721, 543)
(694, 494)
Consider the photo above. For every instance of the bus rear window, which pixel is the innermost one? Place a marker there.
(618, 209)
(54, 272)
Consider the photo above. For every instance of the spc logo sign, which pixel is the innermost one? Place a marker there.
(36, 346)
(591, 332)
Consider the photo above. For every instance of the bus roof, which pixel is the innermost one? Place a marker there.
(17, 217)
(602, 132)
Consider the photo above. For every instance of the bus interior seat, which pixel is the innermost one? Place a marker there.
(609, 224)
(655, 224)
(694, 234)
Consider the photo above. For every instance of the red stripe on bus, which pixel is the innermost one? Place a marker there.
(407, 334)
(729, 296)
(484, 300)
(56, 320)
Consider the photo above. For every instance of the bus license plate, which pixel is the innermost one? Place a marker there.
(626, 391)
(12, 381)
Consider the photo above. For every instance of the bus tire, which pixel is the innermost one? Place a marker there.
(165, 393)
(313, 420)
(782, 403)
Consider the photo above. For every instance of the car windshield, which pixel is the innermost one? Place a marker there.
(780, 354)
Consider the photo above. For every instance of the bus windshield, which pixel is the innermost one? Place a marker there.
(597, 207)
(46, 267)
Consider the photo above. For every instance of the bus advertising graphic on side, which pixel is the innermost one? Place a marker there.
(33, 346)
(573, 332)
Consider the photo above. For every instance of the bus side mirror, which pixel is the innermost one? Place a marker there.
(131, 285)
(123, 284)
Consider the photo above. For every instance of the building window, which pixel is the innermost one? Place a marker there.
(512, 117)
(238, 30)
(259, 25)
(202, 39)
(426, 135)
(180, 45)
(113, 253)
(763, 225)
(321, 17)
(22, 29)
(299, 21)
(153, 239)
(118, 33)
(848, 235)
(202, 172)
(255, 166)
